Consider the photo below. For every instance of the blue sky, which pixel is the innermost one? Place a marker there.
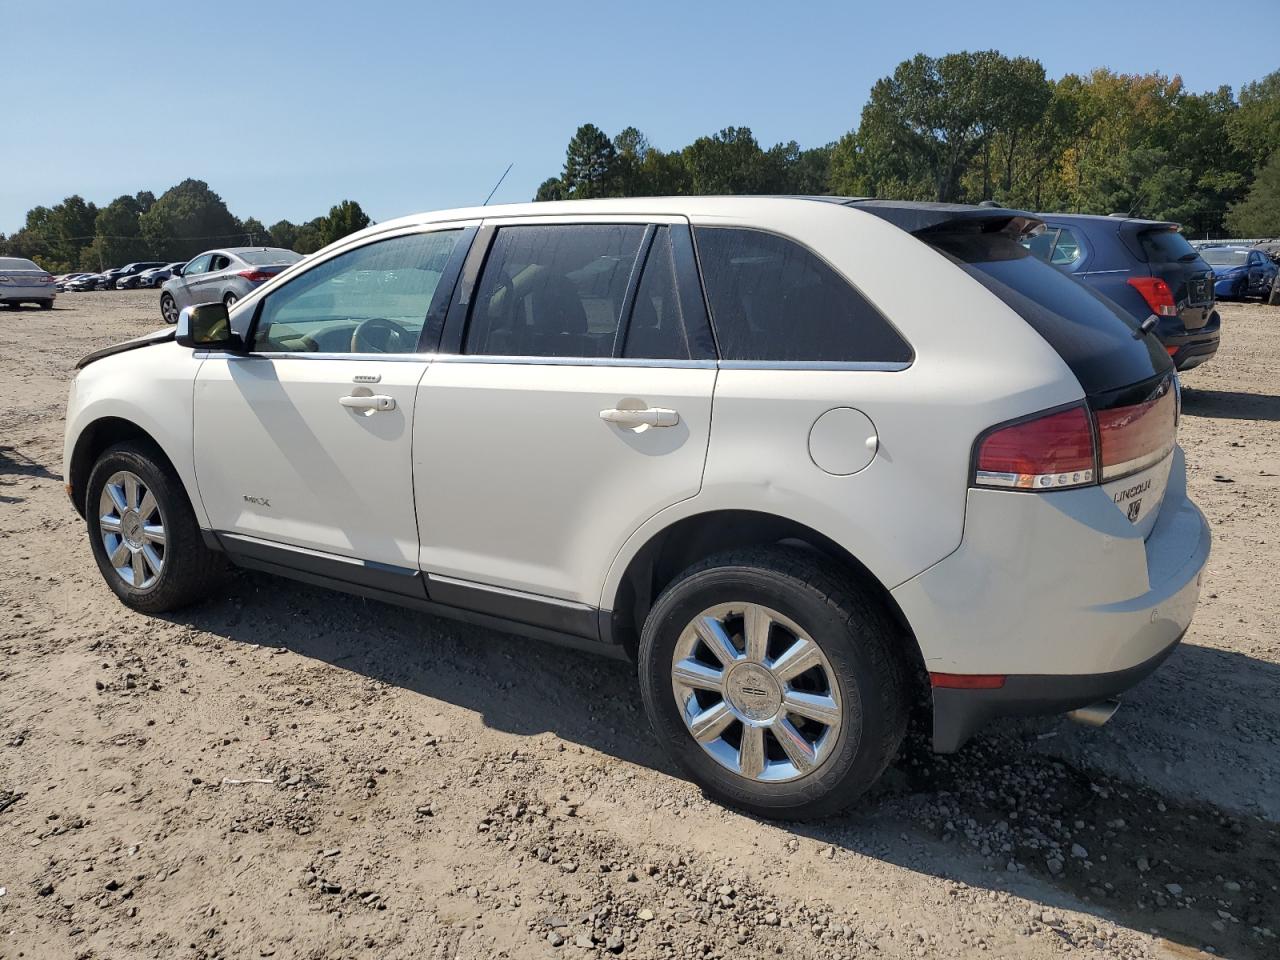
(286, 108)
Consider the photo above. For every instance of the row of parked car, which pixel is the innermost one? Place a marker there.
(144, 273)
(226, 275)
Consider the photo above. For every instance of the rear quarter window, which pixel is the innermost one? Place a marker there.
(1096, 338)
(773, 300)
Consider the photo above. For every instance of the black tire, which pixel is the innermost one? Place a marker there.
(861, 641)
(190, 571)
(46, 304)
(168, 308)
(229, 300)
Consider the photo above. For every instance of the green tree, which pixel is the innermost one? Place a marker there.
(1255, 127)
(728, 162)
(588, 164)
(284, 234)
(344, 218)
(552, 188)
(255, 233)
(118, 235)
(1258, 214)
(187, 219)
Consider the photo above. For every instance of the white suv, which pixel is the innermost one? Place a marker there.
(804, 460)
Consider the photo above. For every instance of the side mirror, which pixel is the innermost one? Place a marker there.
(206, 326)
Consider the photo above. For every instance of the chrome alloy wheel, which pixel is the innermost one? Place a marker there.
(756, 692)
(132, 529)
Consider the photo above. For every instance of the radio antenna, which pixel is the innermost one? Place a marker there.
(498, 184)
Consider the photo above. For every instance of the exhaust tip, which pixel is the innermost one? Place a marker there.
(1095, 714)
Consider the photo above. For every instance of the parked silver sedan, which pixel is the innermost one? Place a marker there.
(227, 275)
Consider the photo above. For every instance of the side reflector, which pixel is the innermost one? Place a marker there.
(967, 681)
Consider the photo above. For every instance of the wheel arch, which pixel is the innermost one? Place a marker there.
(652, 567)
(99, 435)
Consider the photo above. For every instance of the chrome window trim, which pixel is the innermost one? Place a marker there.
(574, 361)
(868, 366)
(872, 366)
(384, 357)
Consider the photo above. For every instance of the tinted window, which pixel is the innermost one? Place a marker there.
(657, 329)
(1093, 335)
(1067, 250)
(258, 257)
(220, 262)
(554, 291)
(373, 299)
(771, 299)
(1041, 245)
(1166, 246)
(16, 263)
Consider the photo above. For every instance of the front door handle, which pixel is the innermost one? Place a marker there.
(375, 402)
(648, 417)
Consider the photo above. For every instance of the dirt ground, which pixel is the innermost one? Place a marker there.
(435, 791)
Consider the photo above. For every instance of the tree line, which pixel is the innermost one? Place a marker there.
(973, 126)
(185, 220)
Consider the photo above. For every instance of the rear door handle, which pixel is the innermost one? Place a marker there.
(376, 402)
(648, 417)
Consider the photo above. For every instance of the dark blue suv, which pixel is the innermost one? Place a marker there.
(1148, 268)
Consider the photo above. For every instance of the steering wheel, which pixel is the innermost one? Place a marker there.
(377, 335)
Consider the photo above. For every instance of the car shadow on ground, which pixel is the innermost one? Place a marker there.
(1230, 404)
(14, 465)
(1001, 815)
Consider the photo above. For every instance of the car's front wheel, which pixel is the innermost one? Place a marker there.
(776, 681)
(144, 534)
(168, 308)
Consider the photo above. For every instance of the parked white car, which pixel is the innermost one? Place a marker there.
(24, 281)
(797, 458)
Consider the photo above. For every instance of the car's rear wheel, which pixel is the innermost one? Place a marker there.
(229, 300)
(144, 534)
(168, 308)
(775, 680)
(46, 304)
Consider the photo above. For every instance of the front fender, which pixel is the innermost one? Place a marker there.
(150, 388)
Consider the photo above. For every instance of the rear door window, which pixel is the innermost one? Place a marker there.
(657, 327)
(773, 300)
(553, 291)
(1095, 337)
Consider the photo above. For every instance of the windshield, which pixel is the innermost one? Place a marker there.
(261, 257)
(1225, 257)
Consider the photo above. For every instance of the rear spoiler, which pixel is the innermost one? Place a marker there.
(918, 218)
(159, 336)
(1130, 230)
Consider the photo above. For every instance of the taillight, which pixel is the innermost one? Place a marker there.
(1133, 438)
(256, 276)
(1078, 446)
(1049, 452)
(1157, 294)
(47, 278)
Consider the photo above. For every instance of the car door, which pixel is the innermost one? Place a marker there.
(191, 274)
(547, 431)
(207, 287)
(303, 443)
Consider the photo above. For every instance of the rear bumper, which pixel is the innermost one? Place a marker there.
(1059, 594)
(13, 293)
(959, 714)
(1190, 349)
